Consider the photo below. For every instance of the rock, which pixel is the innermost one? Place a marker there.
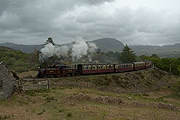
(167, 106)
(7, 82)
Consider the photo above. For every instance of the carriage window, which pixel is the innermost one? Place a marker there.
(117, 66)
(85, 67)
(112, 66)
(89, 67)
(107, 67)
(104, 66)
(99, 66)
(94, 67)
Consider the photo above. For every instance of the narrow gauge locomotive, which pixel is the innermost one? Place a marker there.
(88, 69)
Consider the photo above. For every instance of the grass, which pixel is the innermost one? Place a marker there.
(54, 105)
(71, 102)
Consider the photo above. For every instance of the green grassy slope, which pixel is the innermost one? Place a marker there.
(16, 60)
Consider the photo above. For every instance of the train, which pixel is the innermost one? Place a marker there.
(54, 71)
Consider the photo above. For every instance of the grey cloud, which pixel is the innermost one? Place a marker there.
(31, 22)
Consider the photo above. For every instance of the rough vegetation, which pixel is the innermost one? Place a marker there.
(17, 60)
(171, 65)
(141, 95)
(137, 81)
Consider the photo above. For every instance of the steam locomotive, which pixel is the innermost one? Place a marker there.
(90, 69)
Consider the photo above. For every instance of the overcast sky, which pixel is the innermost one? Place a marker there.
(150, 22)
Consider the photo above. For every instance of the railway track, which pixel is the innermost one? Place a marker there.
(56, 78)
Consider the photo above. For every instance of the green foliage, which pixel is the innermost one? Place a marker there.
(167, 64)
(127, 55)
(154, 56)
(178, 68)
(17, 60)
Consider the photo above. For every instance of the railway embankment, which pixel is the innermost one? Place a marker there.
(137, 81)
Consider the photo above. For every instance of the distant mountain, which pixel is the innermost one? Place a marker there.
(23, 48)
(109, 44)
(105, 44)
(162, 51)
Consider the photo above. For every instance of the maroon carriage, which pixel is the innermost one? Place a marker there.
(148, 64)
(95, 68)
(123, 67)
(139, 65)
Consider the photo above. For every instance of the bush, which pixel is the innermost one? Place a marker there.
(167, 64)
(17, 60)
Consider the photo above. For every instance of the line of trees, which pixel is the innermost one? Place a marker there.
(171, 65)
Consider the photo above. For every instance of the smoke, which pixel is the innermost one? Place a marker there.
(51, 50)
(75, 51)
(79, 49)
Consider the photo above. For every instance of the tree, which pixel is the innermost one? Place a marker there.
(127, 55)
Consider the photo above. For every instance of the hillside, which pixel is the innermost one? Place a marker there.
(109, 44)
(162, 51)
(141, 95)
(23, 48)
(16, 59)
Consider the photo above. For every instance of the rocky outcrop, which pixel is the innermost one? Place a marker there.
(7, 82)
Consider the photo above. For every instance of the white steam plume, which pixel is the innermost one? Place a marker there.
(76, 50)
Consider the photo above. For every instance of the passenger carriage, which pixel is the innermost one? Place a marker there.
(87, 69)
(123, 67)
